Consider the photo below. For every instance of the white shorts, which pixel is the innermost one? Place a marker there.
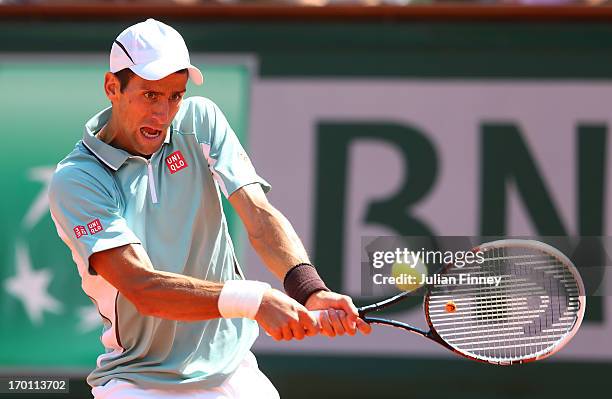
(246, 382)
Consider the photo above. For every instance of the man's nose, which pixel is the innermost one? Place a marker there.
(161, 111)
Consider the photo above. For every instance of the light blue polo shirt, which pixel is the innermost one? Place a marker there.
(102, 197)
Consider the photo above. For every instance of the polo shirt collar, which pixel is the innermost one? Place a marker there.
(109, 155)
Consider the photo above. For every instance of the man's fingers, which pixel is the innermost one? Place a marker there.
(335, 321)
(363, 327)
(287, 334)
(349, 326)
(275, 333)
(297, 330)
(309, 323)
(325, 324)
(349, 307)
(351, 311)
(340, 315)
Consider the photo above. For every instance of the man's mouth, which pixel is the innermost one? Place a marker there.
(150, 133)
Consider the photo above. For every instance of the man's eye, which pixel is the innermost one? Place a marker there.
(176, 97)
(150, 95)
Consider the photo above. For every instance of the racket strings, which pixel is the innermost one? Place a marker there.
(532, 308)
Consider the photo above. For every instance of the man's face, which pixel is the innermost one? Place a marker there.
(142, 112)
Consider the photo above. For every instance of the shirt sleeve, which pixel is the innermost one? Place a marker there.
(86, 214)
(228, 161)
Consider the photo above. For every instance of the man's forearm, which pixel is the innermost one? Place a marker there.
(277, 243)
(177, 297)
(156, 293)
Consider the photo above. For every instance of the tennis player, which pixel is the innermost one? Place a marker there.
(138, 203)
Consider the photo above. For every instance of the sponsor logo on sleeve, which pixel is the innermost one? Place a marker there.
(175, 162)
(246, 161)
(79, 231)
(94, 226)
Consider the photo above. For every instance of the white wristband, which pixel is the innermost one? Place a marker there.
(241, 298)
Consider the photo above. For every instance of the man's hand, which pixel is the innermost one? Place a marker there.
(284, 318)
(344, 320)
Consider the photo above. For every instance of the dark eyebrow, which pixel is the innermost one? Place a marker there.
(161, 93)
(150, 91)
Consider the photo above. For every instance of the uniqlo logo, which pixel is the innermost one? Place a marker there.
(176, 162)
(94, 227)
(79, 231)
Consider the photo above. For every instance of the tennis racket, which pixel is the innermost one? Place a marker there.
(535, 310)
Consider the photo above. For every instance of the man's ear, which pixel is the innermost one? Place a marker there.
(112, 87)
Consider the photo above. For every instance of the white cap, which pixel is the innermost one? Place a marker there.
(152, 50)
